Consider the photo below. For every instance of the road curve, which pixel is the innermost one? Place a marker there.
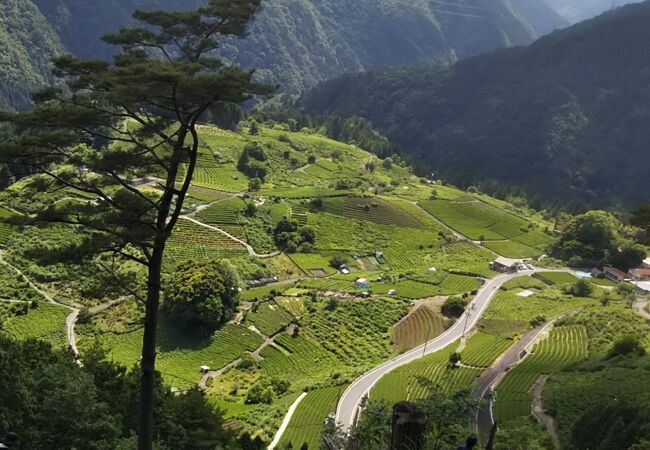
(348, 406)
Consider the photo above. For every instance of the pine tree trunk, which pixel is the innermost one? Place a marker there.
(148, 362)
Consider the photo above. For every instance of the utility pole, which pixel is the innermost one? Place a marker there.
(426, 341)
(467, 314)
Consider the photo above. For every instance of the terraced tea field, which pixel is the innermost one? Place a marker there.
(224, 212)
(564, 346)
(224, 178)
(294, 356)
(372, 209)
(422, 324)
(192, 241)
(307, 422)
(6, 229)
(47, 323)
(268, 318)
(180, 357)
(406, 382)
(483, 349)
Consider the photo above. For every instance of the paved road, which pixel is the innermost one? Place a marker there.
(348, 406)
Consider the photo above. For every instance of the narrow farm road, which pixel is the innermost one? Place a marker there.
(285, 422)
(69, 321)
(348, 407)
(249, 248)
(639, 306)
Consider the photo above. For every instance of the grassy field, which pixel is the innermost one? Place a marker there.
(221, 178)
(512, 249)
(47, 323)
(423, 323)
(564, 346)
(307, 422)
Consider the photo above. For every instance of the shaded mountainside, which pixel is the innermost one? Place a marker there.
(295, 43)
(566, 118)
(27, 43)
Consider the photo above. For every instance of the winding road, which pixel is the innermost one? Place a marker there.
(348, 406)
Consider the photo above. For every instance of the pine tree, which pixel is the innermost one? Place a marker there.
(135, 117)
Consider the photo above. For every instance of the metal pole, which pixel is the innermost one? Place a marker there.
(426, 341)
(467, 314)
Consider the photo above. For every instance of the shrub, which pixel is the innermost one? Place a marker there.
(625, 346)
(580, 288)
(453, 307)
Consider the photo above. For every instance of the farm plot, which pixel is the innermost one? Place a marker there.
(293, 356)
(330, 284)
(47, 323)
(564, 346)
(269, 318)
(557, 277)
(307, 422)
(301, 192)
(347, 334)
(457, 284)
(6, 229)
(221, 178)
(468, 218)
(407, 382)
(423, 323)
(483, 349)
(372, 209)
(407, 289)
(192, 241)
(512, 249)
(224, 212)
(261, 292)
(524, 282)
(510, 314)
(312, 263)
(180, 356)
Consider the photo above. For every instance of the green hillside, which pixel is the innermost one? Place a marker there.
(565, 119)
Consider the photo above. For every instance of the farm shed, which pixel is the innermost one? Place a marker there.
(614, 274)
(502, 264)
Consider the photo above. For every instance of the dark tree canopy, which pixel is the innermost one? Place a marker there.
(202, 296)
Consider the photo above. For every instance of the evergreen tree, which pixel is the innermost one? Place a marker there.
(137, 116)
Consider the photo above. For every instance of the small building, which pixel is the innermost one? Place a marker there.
(646, 263)
(204, 369)
(597, 273)
(505, 265)
(345, 271)
(640, 274)
(379, 255)
(643, 286)
(392, 292)
(432, 270)
(614, 274)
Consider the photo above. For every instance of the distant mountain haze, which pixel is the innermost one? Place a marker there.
(567, 118)
(294, 43)
(577, 10)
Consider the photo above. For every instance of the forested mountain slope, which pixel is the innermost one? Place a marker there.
(566, 118)
(27, 43)
(296, 43)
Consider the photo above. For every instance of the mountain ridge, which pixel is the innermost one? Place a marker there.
(556, 118)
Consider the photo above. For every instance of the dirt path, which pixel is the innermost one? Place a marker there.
(249, 248)
(540, 414)
(285, 422)
(69, 321)
(639, 307)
